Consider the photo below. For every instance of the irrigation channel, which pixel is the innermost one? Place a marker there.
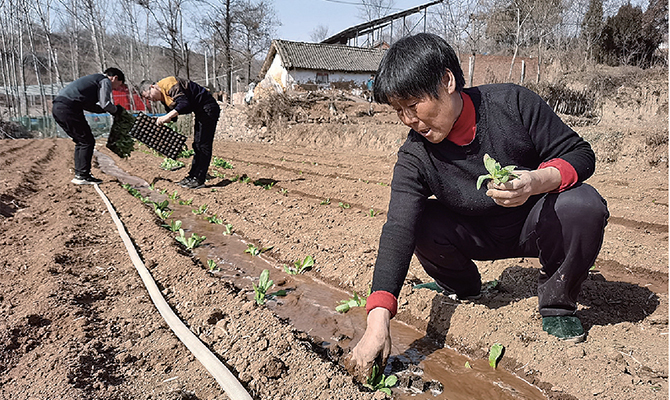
(425, 369)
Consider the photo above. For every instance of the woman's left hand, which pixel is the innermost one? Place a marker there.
(517, 191)
(163, 119)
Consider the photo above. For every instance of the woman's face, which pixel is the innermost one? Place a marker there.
(430, 117)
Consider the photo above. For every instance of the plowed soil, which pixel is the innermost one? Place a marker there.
(77, 323)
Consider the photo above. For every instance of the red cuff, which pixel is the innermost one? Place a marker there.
(382, 299)
(568, 174)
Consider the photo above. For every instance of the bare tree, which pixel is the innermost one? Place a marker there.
(255, 23)
(370, 10)
(319, 33)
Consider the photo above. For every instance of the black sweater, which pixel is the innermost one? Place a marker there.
(515, 127)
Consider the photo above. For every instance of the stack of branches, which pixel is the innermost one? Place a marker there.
(119, 140)
(567, 101)
(277, 107)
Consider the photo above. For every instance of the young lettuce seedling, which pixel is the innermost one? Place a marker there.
(344, 205)
(228, 229)
(201, 210)
(163, 214)
(163, 205)
(190, 243)
(255, 251)
(497, 173)
(214, 219)
(378, 381)
(185, 202)
(346, 305)
(173, 226)
(221, 163)
(264, 283)
(300, 266)
(211, 265)
(495, 354)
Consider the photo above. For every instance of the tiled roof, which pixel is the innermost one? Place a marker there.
(327, 57)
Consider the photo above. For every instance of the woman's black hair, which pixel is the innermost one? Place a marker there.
(414, 66)
(112, 71)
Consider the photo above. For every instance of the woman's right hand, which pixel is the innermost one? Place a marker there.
(374, 346)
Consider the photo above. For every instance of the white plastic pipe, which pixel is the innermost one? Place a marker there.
(223, 376)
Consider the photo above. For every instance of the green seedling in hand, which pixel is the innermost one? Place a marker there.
(377, 381)
(497, 173)
(214, 219)
(163, 214)
(325, 202)
(173, 226)
(190, 243)
(185, 202)
(344, 205)
(201, 210)
(211, 265)
(495, 354)
(221, 163)
(228, 229)
(346, 305)
(300, 266)
(255, 251)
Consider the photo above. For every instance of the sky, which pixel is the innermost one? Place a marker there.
(300, 18)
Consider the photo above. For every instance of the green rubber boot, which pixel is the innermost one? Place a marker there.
(566, 327)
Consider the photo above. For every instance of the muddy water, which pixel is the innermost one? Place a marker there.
(425, 369)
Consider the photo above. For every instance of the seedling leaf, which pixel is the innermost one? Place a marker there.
(496, 173)
(495, 354)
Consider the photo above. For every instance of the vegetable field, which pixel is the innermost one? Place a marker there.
(77, 323)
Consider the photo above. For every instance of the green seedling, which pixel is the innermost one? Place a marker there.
(372, 213)
(190, 243)
(163, 205)
(354, 301)
(228, 229)
(211, 266)
(300, 266)
(264, 283)
(152, 186)
(163, 214)
(266, 186)
(214, 219)
(325, 202)
(173, 226)
(344, 205)
(495, 354)
(245, 179)
(283, 191)
(218, 174)
(169, 164)
(162, 191)
(378, 381)
(186, 153)
(382, 184)
(497, 173)
(467, 365)
(235, 178)
(256, 251)
(185, 202)
(200, 210)
(174, 195)
(221, 163)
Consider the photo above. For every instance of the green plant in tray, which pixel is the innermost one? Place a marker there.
(300, 266)
(378, 381)
(190, 243)
(497, 173)
(354, 301)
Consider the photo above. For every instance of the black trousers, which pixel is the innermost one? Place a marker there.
(205, 128)
(70, 116)
(564, 230)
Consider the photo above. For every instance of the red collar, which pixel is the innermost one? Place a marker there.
(465, 127)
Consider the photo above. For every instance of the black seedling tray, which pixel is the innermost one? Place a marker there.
(160, 138)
